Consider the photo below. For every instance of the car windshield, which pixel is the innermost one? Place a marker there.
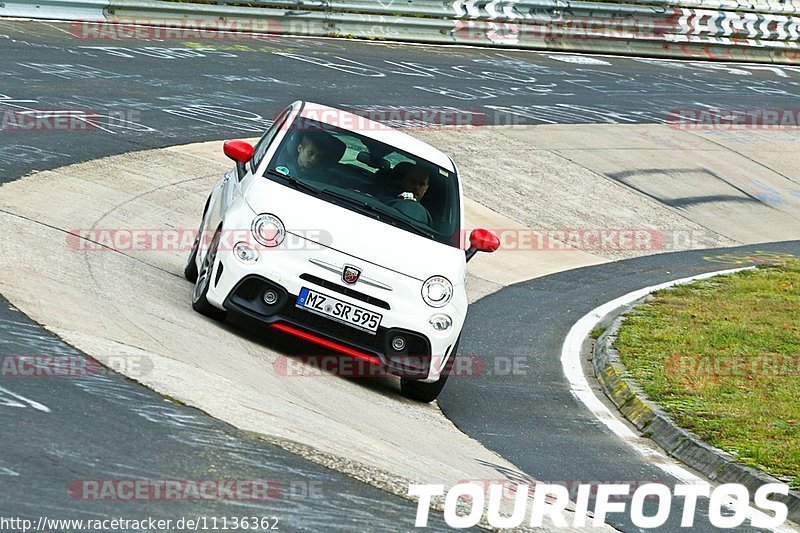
(369, 177)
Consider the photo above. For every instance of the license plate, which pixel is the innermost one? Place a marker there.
(343, 312)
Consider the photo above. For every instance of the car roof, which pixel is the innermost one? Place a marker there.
(377, 131)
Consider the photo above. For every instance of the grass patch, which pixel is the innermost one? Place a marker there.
(722, 358)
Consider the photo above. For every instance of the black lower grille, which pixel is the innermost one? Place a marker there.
(248, 295)
(334, 329)
(250, 288)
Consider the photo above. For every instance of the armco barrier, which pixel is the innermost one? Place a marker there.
(55, 9)
(761, 30)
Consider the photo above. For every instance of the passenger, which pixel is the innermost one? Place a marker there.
(315, 151)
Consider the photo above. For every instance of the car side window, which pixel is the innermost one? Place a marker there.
(266, 140)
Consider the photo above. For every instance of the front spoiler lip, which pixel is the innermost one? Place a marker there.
(389, 366)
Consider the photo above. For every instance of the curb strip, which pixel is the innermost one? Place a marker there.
(655, 424)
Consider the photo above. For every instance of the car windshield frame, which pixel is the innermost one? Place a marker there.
(363, 175)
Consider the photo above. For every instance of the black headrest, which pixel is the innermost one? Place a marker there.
(400, 169)
(370, 160)
(336, 150)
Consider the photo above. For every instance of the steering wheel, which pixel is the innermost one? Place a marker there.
(412, 209)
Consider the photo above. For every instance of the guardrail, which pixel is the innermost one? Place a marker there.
(760, 30)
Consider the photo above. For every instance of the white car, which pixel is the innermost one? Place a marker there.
(346, 233)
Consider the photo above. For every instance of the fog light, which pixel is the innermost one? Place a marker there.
(398, 344)
(440, 322)
(244, 252)
(270, 297)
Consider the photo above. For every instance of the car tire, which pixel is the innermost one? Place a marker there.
(199, 301)
(190, 270)
(421, 391)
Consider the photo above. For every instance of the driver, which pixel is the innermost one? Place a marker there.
(415, 180)
(413, 183)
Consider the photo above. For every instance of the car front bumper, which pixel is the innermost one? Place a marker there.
(240, 287)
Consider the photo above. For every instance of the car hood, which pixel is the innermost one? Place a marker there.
(356, 235)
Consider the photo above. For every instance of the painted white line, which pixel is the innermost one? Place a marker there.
(35, 405)
(578, 59)
(579, 387)
(7, 472)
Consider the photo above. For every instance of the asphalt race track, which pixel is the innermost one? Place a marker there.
(106, 427)
(154, 94)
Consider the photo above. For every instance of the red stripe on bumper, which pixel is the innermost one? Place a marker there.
(327, 344)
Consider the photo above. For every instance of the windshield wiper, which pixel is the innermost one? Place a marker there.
(411, 226)
(387, 216)
(354, 201)
(296, 183)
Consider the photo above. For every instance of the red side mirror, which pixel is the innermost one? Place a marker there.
(483, 240)
(239, 151)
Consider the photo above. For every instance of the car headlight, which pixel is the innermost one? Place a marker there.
(437, 291)
(268, 230)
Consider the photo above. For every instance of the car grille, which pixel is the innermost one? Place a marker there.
(352, 293)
